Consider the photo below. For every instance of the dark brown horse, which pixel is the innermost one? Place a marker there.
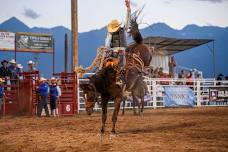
(104, 83)
(138, 57)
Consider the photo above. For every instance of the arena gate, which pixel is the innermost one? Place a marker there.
(22, 98)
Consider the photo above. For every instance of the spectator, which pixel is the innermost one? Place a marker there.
(20, 70)
(14, 70)
(1, 95)
(160, 72)
(172, 65)
(43, 91)
(5, 72)
(181, 75)
(31, 67)
(189, 77)
(219, 78)
(226, 78)
(55, 93)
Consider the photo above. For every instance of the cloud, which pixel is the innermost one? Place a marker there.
(213, 1)
(168, 1)
(30, 13)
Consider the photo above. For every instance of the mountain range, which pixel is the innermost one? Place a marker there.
(200, 58)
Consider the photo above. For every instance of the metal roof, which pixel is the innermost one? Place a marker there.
(169, 46)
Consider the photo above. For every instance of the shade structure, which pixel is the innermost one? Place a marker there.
(170, 46)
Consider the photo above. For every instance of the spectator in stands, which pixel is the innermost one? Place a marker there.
(219, 78)
(1, 95)
(31, 66)
(55, 93)
(160, 72)
(226, 78)
(43, 91)
(172, 65)
(189, 77)
(14, 70)
(156, 73)
(181, 75)
(5, 72)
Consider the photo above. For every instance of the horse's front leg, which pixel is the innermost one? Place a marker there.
(104, 115)
(115, 113)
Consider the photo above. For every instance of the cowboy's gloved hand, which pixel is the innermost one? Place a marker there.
(127, 3)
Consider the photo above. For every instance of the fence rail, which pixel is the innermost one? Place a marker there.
(208, 92)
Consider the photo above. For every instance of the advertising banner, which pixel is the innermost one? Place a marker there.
(179, 96)
(7, 41)
(30, 42)
(218, 94)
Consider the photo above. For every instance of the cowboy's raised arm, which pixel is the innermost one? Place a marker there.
(108, 40)
(128, 17)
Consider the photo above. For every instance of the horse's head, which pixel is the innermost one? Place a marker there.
(90, 96)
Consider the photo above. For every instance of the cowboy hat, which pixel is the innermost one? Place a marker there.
(53, 79)
(113, 26)
(43, 79)
(19, 66)
(1, 80)
(4, 61)
(30, 62)
(12, 61)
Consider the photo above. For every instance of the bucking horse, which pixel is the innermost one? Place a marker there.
(104, 82)
(138, 58)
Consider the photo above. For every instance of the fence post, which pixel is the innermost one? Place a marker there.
(154, 91)
(78, 92)
(198, 91)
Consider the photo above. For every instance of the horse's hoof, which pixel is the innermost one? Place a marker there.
(112, 136)
(102, 131)
(101, 135)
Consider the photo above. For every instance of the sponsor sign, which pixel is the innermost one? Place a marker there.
(7, 41)
(30, 42)
(179, 96)
(218, 94)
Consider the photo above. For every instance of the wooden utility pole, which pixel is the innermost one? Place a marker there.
(66, 53)
(74, 33)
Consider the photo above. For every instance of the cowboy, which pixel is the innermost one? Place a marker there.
(14, 70)
(5, 72)
(55, 93)
(43, 91)
(31, 67)
(1, 94)
(116, 39)
(20, 68)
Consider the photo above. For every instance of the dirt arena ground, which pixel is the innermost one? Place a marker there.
(199, 129)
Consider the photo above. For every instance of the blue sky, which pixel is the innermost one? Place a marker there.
(94, 14)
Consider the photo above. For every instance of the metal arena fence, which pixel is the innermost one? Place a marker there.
(208, 92)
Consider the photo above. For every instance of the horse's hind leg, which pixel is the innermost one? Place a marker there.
(123, 110)
(115, 113)
(135, 100)
(134, 105)
(142, 102)
(104, 115)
